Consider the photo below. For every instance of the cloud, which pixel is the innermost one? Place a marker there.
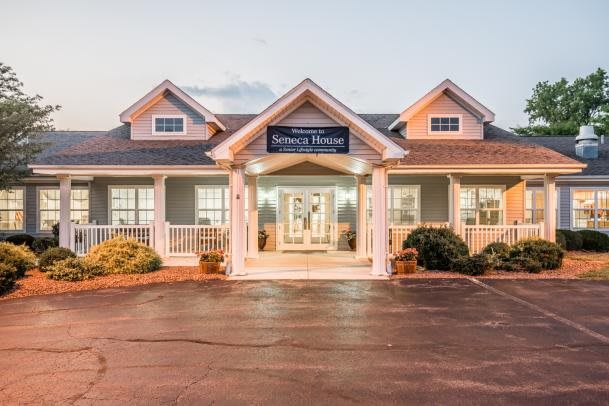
(237, 96)
(261, 41)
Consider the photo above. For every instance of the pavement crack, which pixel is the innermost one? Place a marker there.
(192, 383)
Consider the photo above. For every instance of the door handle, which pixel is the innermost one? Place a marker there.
(308, 220)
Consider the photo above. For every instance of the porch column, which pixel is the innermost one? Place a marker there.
(379, 221)
(65, 201)
(159, 214)
(454, 198)
(252, 217)
(549, 186)
(237, 221)
(361, 224)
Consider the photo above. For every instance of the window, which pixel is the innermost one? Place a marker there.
(131, 204)
(534, 205)
(169, 124)
(11, 209)
(48, 207)
(591, 209)
(482, 205)
(446, 123)
(212, 206)
(403, 205)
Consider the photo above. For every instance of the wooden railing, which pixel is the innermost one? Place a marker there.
(84, 236)
(478, 237)
(183, 240)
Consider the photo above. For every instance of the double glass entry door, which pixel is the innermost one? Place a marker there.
(306, 219)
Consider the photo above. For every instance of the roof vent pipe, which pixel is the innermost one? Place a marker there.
(586, 143)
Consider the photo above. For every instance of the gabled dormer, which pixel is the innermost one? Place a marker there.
(168, 113)
(447, 111)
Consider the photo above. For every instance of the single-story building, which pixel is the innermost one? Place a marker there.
(305, 170)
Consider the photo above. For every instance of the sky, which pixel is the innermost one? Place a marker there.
(96, 58)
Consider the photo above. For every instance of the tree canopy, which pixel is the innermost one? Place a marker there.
(559, 108)
(22, 119)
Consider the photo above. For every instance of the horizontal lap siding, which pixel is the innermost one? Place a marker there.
(180, 197)
(564, 199)
(434, 195)
(306, 115)
(98, 195)
(170, 105)
(417, 125)
(514, 196)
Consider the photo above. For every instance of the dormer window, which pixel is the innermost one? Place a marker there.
(168, 125)
(444, 123)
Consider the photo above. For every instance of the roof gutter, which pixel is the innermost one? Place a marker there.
(131, 170)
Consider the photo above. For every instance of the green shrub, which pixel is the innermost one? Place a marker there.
(73, 269)
(8, 277)
(52, 255)
(20, 239)
(437, 246)
(477, 264)
(548, 254)
(42, 244)
(19, 257)
(594, 240)
(569, 240)
(121, 255)
(526, 264)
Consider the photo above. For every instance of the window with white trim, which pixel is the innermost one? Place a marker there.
(403, 204)
(534, 204)
(444, 123)
(591, 208)
(11, 209)
(169, 124)
(48, 207)
(212, 205)
(482, 205)
(131, 204)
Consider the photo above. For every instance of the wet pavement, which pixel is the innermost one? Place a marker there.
(302, 342)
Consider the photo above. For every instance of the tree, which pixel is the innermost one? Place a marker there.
(559, 108)
(22, 119)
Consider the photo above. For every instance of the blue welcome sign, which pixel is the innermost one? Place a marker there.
(307, 140)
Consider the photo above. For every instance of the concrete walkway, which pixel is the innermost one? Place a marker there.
(307, 265)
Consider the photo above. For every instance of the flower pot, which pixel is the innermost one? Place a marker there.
(405, 267)
(261, 243)
(209, 267)
(352, 243)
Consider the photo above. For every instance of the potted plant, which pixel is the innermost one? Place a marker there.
(209, 261)
(262, 237)
(350, 237)
(406, 261)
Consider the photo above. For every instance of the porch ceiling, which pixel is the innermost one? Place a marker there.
(341, 163)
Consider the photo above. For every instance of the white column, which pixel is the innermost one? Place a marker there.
(379, 221)
(252, 217)
(65, 200)
(361, 224)
(159, 214)
(549, 186)
(237, 221)
(454, 198)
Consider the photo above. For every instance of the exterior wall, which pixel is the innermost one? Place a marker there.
(180, 197)
(434, 195)
(514, 194)
(306, 115)
(472, 127)
(196, 128)
(98, 195)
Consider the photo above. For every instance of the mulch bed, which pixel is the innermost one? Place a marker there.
(36, 283)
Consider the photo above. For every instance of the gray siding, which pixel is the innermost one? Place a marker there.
(434, 195)
(180, 197)
(98, 196)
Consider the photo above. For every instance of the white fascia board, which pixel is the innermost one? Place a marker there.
(139, 170)
(517, 170)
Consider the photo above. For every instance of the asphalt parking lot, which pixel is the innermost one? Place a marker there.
(302, 342)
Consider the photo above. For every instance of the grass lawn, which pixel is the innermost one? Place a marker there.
(596, 274)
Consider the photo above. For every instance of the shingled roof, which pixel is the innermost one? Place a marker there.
(115, 147)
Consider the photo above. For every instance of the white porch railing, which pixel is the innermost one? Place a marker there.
(185, 240)
(478, 237)
(84, 236)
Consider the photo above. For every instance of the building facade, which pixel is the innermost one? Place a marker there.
(305, 170)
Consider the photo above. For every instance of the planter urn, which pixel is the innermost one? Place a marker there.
(209, 267)
(352, 243)
(405, 267)
(261, 243)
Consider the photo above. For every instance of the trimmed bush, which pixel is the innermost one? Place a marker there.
(594, 240)
(525, 264)
(42, 244)
(126, 256)
(477, 264)
(437, 246)
(20, 257)
(52, 255)
(7, 278)
(548, 254)
(561, 240)
(20, 239)
(73, 269)
(573, 240)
